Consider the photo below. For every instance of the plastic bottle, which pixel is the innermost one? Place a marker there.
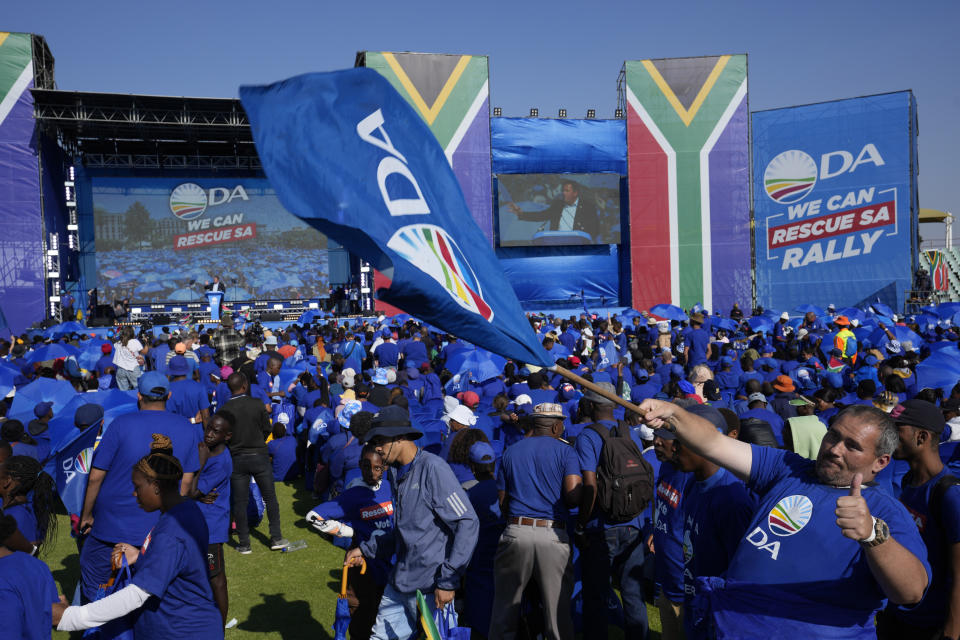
(295, 546)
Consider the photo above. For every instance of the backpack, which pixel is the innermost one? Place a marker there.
(624, 477)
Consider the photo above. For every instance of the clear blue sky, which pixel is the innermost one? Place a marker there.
(542, 54)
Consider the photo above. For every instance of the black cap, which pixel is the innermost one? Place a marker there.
(919, 413)
(391, 422)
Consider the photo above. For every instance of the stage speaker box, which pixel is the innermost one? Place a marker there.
(160, 318)
(271, 316)
(100, 321)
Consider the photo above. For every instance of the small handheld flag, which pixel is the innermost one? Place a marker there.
(70, 467)
(345, 152)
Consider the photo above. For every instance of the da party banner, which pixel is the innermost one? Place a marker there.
(834, 201)
(688, 170)
(451, 94)
(162, 239)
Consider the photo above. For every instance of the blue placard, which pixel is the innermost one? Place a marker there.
(834, 196)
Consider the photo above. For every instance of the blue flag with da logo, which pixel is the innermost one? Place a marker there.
(346, 152)
(70, 467)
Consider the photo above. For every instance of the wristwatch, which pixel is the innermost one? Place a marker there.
(881, 533)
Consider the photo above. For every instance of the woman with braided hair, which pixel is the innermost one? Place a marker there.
(30, 497)
(27, 590)
(170, 584)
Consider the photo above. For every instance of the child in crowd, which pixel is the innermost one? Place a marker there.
(27, 590)
(353, 517)
(30, 497)
(283, 454)
(211, 489)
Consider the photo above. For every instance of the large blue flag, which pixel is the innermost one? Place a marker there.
(70, 467)
(345, 152)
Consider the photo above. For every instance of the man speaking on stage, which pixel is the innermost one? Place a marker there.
(569, 213)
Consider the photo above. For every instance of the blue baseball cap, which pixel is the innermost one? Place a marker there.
(153, 385)
(481, 453)
(178, 366)
(42, 408)
(87, 415)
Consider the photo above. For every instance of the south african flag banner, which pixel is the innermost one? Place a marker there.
(689, 166)
(938, 270)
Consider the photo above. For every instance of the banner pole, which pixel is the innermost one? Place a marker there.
(572, 377)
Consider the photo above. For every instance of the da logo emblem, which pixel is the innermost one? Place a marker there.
(188, 201)
(790, 515)
(790, 176)
(82, 462)
(430, 249)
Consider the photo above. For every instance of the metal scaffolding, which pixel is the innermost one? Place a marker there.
(102, 130)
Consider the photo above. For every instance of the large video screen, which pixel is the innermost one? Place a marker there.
(164, 239)
(558, 209)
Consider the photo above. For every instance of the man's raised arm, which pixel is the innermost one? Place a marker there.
(701, 436)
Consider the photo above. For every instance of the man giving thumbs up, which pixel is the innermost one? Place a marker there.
(791, 571)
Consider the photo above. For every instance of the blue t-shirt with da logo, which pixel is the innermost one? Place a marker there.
(668, 530)
(794, 545)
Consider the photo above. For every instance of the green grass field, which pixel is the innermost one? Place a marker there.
(273, 595)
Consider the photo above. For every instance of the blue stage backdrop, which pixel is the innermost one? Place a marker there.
(563, 146)
(160, 239)
(835, 201)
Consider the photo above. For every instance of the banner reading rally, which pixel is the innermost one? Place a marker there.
(347, 153)
(451, 94)
(689, 165)
(834, 195)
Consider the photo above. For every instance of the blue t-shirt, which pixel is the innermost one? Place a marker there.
(117, 516)
(366, 511)
(589, 446)
(794, 544)
(26, 520)
(27, 590)
(532, 472)
(485, 500)
(284, 455)
(387, 354)
(668, 530)
(215, 475)
(173, 569)
(698, 340)
(932, 610)
(716, 514)
(187, 397)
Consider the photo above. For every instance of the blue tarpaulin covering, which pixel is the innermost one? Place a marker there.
(540, 145)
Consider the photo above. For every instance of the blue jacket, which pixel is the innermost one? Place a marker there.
(435, 527)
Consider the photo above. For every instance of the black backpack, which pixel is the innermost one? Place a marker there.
(624, 477)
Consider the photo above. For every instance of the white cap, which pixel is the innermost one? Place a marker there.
(523, 399)
(784, 316)
(348, 377)
(463, 415)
